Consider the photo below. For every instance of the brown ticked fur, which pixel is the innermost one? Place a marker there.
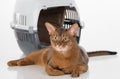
(64, 56)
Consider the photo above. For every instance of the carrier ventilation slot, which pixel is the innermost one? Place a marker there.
(71, 17)
(71, 14)
(20, 19)
(24, 36)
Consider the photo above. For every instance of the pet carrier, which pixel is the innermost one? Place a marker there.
(30, 16)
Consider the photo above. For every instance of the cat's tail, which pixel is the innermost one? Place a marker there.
(100, 53)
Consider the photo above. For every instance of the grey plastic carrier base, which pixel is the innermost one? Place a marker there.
(26, 41)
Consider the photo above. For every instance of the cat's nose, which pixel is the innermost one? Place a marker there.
(60, 43)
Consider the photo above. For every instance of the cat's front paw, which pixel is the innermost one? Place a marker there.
(12, 63)
(75, 74)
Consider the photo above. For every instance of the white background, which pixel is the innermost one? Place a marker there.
(102, 31)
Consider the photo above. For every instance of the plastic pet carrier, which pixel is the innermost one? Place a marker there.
(30, 17)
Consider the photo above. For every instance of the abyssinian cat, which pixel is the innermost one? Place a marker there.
(64, 56)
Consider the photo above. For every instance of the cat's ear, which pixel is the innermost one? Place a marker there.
(51, 29)
(73, 30)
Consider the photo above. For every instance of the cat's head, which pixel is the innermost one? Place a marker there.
(62, 39)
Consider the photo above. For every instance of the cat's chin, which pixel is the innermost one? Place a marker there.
(61, 49)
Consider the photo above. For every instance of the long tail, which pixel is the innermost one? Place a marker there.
(100, 53)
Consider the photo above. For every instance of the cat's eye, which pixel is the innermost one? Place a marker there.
(54, 38)
(65, 39)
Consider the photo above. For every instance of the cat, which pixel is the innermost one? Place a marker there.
(64, 56)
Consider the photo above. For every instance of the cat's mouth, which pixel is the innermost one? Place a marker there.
(60, 48)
